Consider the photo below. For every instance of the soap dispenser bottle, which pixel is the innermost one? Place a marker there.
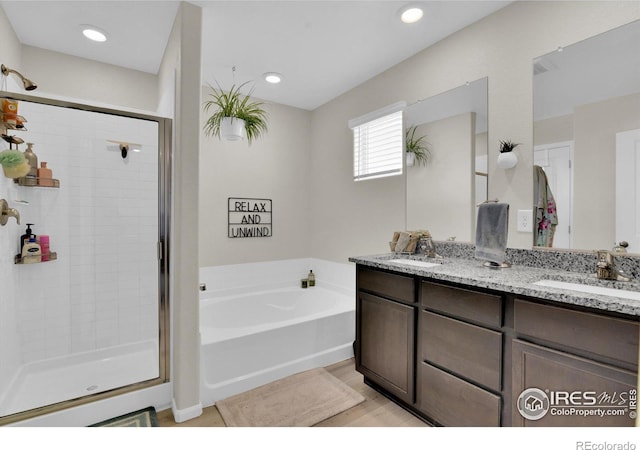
(32, 176)
(25, 237)
(31, 252)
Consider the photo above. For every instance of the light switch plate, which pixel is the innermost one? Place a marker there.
(525, 220)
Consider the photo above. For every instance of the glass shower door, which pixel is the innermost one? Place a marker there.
(91, 320)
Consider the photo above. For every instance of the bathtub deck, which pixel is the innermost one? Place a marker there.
(375, 411)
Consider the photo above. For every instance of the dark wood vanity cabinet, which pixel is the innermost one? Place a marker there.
(461, 356)
(460, 341)
(385, 331)
(581, 360)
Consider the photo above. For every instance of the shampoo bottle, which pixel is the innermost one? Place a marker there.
(43, 240)
(312, 278)
(31, 252)
(44, 175)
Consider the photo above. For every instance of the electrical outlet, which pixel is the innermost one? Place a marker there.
(525, 220)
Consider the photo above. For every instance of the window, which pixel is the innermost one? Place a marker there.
(378, 143)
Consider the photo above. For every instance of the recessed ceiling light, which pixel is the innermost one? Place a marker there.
(411, 14)
(94, 33)
(272, 77)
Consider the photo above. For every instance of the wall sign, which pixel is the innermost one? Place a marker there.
(250, 217)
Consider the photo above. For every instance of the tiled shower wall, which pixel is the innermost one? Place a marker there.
(102, 291)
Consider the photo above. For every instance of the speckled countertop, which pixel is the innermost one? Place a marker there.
(517, 279)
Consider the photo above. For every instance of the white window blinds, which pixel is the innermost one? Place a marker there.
(377, 143)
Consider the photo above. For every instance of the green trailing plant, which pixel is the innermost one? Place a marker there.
(234, 104)
(11, 158)
(417, 145)
(507, 146)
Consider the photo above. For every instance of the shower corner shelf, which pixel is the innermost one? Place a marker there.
(52, 257)
(27, 182)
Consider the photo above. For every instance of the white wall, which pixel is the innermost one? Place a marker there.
(276, 166)
(186, 37)
(594, 204)
(429, 193)
(60, 75)
(501, 47)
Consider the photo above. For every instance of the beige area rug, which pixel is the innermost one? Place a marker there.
(300, 400)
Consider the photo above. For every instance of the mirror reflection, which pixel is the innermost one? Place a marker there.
(454, 177)
(586, 100)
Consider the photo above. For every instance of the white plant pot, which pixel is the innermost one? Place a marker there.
(411, 159)
(507, 160)
(232, 129)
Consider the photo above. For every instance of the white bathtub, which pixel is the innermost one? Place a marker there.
(251, 336)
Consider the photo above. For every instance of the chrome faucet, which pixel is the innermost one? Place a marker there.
(428, 248)
(606, 267)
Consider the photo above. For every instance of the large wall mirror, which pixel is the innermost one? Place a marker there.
(454, 178)
(586, 100)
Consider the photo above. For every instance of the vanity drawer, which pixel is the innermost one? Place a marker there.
(606, 336)
(468, 350)
(389, 285)
(475, 306)
(451, 401)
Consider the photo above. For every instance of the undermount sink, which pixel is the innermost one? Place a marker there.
(589, 289)
(414, 262)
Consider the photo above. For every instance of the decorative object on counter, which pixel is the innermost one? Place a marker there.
(27, 83)
(304, 283)
(14, 164)
(31, 179)
(492, 228)
(45, 175)
(416, 148)
(6, 212)
(31, 252)
(407, 241)
(311, 278)
(234, 116)
(620, 247)
(507, 159)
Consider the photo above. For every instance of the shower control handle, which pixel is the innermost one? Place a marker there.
(6, 212)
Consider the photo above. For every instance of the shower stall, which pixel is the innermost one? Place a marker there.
(91, 321)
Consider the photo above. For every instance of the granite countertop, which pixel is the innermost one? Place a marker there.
(517, 279)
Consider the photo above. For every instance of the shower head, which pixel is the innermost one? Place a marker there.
(28, 84)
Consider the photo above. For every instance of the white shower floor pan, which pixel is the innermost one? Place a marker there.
(56, 380)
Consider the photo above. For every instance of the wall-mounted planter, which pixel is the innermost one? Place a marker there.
(507, 160)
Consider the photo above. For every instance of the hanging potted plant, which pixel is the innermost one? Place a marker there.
(416, 149)
(234, 116)
(14, 164)
(507, 159)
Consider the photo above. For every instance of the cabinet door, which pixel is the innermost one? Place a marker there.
(576, 389)
(385, 344)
